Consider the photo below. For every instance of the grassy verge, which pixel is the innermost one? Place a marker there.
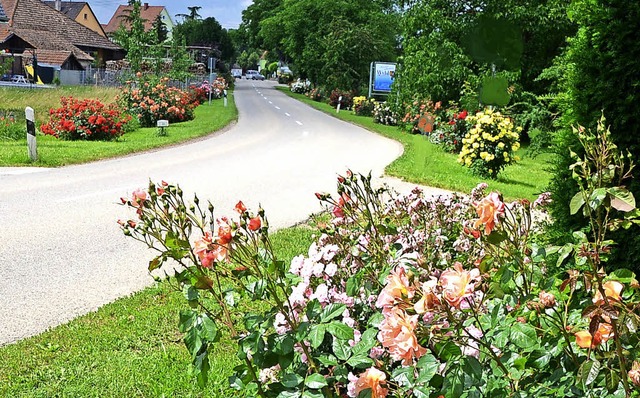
(53, 152)
(129, 348)
(425, 163)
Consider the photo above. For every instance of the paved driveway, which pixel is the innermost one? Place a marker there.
(62, 253)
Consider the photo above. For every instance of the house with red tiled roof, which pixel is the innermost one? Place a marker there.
(147, 12)
(31, 30)
(79, 11)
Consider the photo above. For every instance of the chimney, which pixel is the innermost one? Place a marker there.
(146, 6)
(58, 5)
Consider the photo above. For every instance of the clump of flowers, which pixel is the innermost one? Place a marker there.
(362, 106)
(86, 119)
(11, 129)
(454, 131)
(344, 98)
(383, 114)
(152, 101)
(490, 144)
(300, 86)
(316, 94)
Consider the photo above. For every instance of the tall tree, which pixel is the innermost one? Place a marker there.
(159, 29)
(192, 15)
(207, 33)
(337, 45)
(134, 40)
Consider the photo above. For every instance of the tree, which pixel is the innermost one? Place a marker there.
(207, 33)
(192, 15)
(135, 39)
(598, 74)
(337, 45)
(159, 30)
(442, 49)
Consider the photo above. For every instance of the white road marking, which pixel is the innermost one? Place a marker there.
(271, 102)
(277, 107)
(300, 123)
(287, 114)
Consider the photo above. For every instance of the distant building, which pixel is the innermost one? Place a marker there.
(80, 12)
(30, 30)
(147, 13)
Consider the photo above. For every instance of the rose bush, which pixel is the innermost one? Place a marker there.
(490, 144)
(409, 296)
(85, 119)
(151, 100)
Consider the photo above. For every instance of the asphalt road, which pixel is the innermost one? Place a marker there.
(62, 253)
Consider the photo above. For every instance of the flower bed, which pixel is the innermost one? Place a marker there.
(409, 296)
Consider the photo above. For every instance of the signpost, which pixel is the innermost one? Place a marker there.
(381, 76)
(162, 126)
(31, 133)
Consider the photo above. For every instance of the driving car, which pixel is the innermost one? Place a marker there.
(253, 75)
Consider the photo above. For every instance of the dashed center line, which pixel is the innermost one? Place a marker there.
(287, 114)
(271, 102)
(300, 123)
(277, 107)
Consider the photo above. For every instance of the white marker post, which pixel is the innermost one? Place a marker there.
(339, 103)
(224, 94)
(31, 133)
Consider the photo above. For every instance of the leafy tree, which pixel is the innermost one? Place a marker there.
(449, 42)
(134, 40)
(337, 45)
(207, 33)
(180, 60)
(598, 74)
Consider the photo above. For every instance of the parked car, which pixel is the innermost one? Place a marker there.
(253, 75)
(236, 73)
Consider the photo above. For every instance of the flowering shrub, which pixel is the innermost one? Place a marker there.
(85, 119)
(11, 129)
(345, 103)
(362, 106)
(151, 102)
(422, 116)
(200, 93)
(490, 144)
(383, 114)
(300, 87)
(455, 130)
(316, 94)
(408, 296)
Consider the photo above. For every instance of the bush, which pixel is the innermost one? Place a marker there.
(11, 129)
(383, 114)
(345, 103)
(285, 78)
(600, 75)
(490, 144)
(200, 94)
(151, 102)
(317, 94)
(300, 87)
(363, 106)
(86, 119)
(454, 131)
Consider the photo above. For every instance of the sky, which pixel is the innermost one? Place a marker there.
(227, 12)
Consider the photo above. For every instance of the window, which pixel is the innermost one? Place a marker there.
(85, 16)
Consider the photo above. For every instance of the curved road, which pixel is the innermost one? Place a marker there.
(62, 253)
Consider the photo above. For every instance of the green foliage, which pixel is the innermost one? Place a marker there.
(209, 33)
(159, 30)
(335, 46)
(448, 43)
(180, 60)
(599, 74)
(134, 40)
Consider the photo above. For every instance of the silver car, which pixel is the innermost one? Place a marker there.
(253, 75)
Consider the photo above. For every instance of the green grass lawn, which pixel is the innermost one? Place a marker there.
(425, 163)
(53, 152)
(129, 348)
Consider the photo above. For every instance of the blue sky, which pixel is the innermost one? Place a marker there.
(227, 12)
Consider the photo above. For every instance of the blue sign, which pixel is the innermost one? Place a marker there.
(383, 75)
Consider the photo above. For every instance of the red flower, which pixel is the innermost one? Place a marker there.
(255, 223)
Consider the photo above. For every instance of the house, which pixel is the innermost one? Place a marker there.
(32, 30)
(80, 12)
(147, 13)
